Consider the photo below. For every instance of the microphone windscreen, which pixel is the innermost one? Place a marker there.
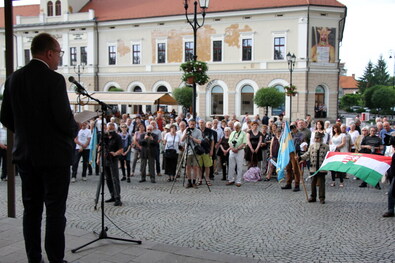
(71, 79)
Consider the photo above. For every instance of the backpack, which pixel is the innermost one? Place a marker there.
(253, 174)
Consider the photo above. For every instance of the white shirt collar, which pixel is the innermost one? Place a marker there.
(41, 61)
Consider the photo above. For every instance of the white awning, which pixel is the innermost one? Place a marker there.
(126, 98)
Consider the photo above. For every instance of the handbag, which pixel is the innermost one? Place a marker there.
(199, 150)
(171, 153)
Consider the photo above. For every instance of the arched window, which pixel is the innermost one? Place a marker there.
(162, 89)
(319, 106)
(281, 109)
(137, 109)
(137, 89)
(50, 8)
(58, 8)
(217, 100)
(247, 100)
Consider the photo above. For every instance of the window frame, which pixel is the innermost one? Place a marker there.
(191, 49)
(164, 43)
(139, 52)
(280, 46)
(221, 50)
(243, 37)
(58, 8)
(73, 56)
(50, 8)
(84, 55)
(112, 52)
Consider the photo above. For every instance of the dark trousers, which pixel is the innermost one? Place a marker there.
(44, 185)
(124, 162)
(224, 165)
(112, 179)
(151, 167)
(85, 159)
(157, 161)
(292, 170)
(339, 174)
(320, 178)
(3, 161)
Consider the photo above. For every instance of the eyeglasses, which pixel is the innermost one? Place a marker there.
(61, 52)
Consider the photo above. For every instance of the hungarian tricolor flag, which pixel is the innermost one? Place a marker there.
(367, 167)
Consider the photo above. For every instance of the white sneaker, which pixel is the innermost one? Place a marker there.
(84, 179)
(72, 179)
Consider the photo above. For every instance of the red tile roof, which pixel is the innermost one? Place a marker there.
(348, 82)
(24, 10)
(131, 9)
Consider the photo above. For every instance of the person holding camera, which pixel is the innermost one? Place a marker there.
(205, 160)
(237, 142)
(149, 142)
(192, 136)
(113, 148)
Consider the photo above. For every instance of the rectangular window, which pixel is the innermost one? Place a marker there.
(188, 51)
(73, 56)
(112, 55)
(27, 56)
(136, 54)
(161, 52)
(247, 49)
(84, 55)
(217, 50)
(279, 48)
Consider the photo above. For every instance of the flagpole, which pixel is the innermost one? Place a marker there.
(301, 177)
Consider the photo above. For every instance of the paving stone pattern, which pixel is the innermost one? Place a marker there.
(256, 221)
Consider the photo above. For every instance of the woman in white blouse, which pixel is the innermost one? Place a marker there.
(338, 143)
(171, 142)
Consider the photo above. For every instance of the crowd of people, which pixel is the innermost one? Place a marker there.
(228, 146)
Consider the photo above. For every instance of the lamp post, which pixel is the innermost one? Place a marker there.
(392, 55)
(78, 70)
(291, 65)
(195, 26)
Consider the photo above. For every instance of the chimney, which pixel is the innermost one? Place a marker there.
(353, 76)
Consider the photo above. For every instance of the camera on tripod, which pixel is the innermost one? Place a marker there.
(189, 131)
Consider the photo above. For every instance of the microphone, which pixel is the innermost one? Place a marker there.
(79, 89)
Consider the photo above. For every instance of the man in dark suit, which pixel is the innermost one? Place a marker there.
(43, 158)
(149, 143)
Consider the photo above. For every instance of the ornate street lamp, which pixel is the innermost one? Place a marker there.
(290, 91)
(392, 55)
(195, 26)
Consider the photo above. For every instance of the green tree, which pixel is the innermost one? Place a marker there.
(349, 100)
(183, 96)
(115, 89)
(381, 75)
(367, 79)
(269, 97)
(368, 95)
(384, 98)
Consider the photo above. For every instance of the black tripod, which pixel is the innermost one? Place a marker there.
(183, 163)
(103, 232)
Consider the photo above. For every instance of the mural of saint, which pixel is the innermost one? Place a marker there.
(323, 44)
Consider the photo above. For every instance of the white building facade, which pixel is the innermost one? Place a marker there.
(245, 49)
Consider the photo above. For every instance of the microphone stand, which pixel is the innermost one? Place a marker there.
(103, 233)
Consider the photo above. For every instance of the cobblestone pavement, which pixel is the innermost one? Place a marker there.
(257, 220)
